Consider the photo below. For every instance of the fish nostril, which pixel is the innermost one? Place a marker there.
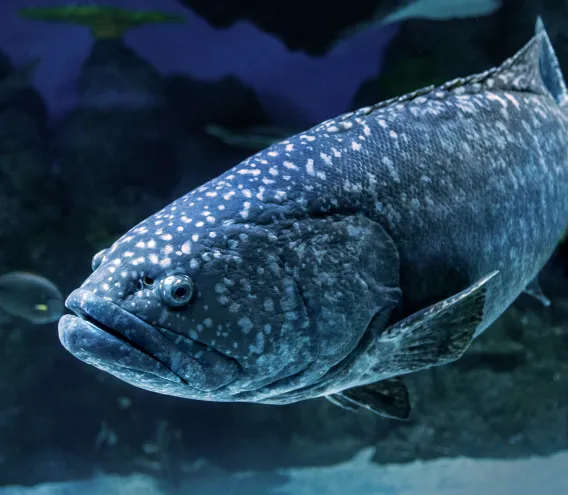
(144, 283)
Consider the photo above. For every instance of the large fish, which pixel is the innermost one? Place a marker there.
(373, 245)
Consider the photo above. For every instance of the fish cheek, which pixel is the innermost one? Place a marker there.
(347, 271)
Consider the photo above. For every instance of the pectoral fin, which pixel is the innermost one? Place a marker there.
(435, 335)
(340, 401)
(387, 398)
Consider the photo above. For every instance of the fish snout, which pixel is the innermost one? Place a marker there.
(106, 335)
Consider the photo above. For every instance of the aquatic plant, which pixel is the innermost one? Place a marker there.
(104, 21)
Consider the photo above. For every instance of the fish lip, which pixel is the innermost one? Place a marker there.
(110, 319)
(84, 340)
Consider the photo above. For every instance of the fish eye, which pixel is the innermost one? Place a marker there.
(176, 290)
(98, 259)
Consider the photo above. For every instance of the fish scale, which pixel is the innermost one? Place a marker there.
(373, 245)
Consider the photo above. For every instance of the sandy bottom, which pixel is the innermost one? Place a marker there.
(460, 476)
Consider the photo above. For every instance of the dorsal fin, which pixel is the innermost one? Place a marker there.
(549, 67)
(533, 69)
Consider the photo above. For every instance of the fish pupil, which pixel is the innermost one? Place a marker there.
(180, 292)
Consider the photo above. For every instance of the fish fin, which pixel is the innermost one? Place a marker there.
(340, 401)
(387, 398)
(549, 67)
(533, 69)
(436, 335)
(533, 289)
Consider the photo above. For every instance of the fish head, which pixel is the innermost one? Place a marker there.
(199, 311)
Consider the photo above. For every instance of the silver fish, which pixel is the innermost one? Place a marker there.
(433, 10)
(373, 245)
(30, 296)
(255, 137)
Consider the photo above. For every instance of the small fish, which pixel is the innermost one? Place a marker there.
(370, 246)
(443, 10)
(255, 137)
(31, 297)
(434, 10)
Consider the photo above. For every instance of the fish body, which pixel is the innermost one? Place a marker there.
(373, 245)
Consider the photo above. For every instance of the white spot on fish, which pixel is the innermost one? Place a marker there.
(245, 324)
(310, 167)
(326, 159)
(247, 171)
(290, 165)
(268, 305)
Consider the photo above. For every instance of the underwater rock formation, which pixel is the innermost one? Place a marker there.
(296, 22)
(117, 149)
(26, 183)
(134, 135)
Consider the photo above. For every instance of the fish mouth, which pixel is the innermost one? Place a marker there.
(103, 334)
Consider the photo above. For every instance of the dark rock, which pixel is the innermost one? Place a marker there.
(312, 26)
(117, 149)
(114, 76)
(29, 193)
(225, 102)
(5, 66)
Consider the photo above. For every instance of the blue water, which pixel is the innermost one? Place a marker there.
(73, 178)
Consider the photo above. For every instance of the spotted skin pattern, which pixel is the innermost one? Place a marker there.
(298, 258)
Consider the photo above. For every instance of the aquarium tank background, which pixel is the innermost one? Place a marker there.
(111, 110)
